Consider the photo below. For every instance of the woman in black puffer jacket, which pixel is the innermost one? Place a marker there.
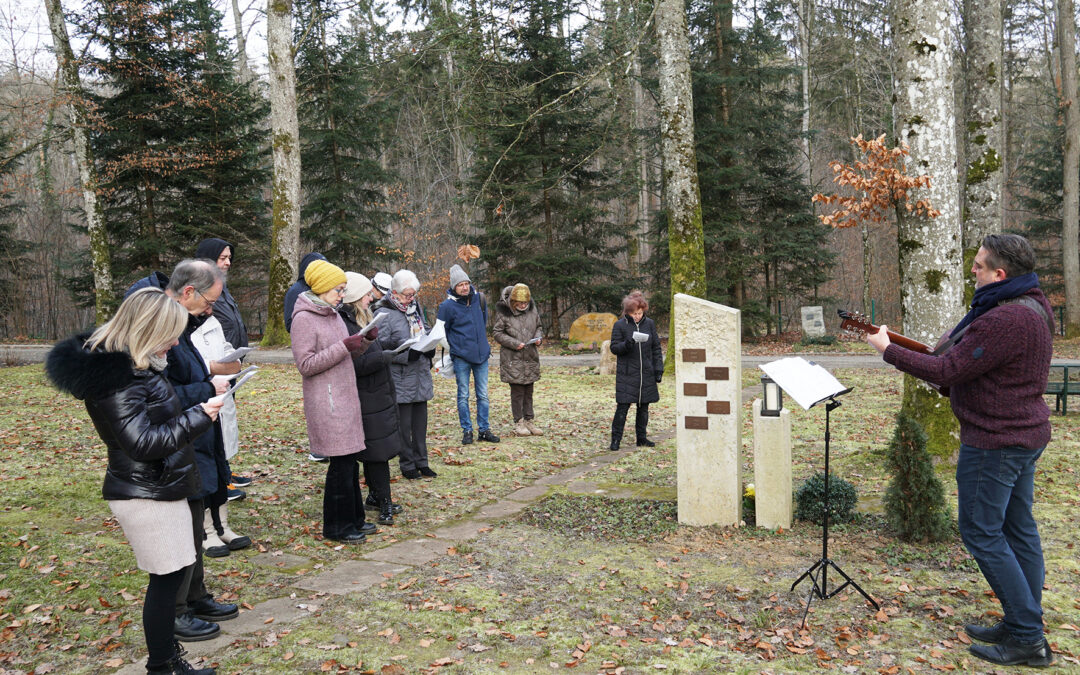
(116, 372)
(378, 401)
(639, 367)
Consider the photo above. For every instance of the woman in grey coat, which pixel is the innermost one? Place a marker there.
(517, 330)
(410, 370)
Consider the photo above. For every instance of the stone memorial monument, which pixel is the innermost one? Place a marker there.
(589, 330)
(708, 386)
(813, 321)
(772, 469)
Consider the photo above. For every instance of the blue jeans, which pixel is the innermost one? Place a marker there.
(995, 491)
(462, 368)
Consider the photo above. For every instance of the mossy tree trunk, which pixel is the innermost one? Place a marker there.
(983, 197)
(285, 129)
(931, 276)
(105, 300)
(682, 195)
(1070, 211)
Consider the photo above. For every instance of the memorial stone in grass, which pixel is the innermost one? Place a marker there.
(708, 403)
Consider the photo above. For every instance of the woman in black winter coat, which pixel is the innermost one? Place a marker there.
(116, 371)
(378, 403)
(639, 367)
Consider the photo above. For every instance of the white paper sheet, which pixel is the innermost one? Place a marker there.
(242, 377)
(365, 329)
(807, 383)
(236, 354)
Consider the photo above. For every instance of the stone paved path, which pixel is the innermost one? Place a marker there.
(375, 567)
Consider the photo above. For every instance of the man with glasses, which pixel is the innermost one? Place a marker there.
(197, 286)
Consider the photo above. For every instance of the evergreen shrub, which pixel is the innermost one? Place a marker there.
(915, 504)
(818, 340)
(810, 500)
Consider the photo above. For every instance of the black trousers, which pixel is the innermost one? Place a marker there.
(377, 477)
(343, 504)
(413, 420)
(641, 421)
(193, 587)
(521, 401)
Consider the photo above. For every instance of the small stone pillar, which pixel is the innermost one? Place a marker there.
(772, 469)
(608, 361)
(708, 402)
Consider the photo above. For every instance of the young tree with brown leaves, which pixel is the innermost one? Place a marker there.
(877, 188)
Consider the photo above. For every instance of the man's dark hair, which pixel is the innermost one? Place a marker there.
(1009, 252)
(195, 272)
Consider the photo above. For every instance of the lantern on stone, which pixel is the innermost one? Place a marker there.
(773, 400)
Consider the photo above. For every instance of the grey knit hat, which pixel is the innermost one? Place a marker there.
(458, 275)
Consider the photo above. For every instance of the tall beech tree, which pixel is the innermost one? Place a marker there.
(984, 204)
(931, 255)
(682, 194)
(79, 117)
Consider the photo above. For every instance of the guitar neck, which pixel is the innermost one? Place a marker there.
(908, 343)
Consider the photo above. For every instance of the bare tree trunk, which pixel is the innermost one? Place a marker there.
(931, 276)
(1070, 212)
(104, 296)
(285, 228)
(644, 219)
(242, 68)
(805, 10)
(686, 242)
(984, 207)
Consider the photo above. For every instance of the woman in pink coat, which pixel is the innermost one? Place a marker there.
(321, 347)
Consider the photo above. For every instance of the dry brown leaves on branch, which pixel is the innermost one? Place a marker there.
(467, 252)
(880, 184)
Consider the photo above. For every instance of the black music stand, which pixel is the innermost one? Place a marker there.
(818, 572)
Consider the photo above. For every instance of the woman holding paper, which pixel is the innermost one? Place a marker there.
(382, 433)
(639, 367)
(321, 346)
(517, 330)
(410, 370)
(116, 371)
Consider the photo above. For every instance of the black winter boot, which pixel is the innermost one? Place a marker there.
(178, 666)
(386, 512)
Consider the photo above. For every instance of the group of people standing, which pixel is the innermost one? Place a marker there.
(154, 380)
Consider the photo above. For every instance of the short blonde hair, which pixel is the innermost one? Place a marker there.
(148, 321)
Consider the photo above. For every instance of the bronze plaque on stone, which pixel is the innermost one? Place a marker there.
(693, 356)
(695, 389)
(718, 407)
(696, 422)
(716, 373)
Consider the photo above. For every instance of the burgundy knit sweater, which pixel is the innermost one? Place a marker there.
(996, 376)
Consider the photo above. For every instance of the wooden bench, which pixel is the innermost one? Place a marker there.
(1061, 389)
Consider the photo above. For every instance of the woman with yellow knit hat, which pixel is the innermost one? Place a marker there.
(517, 330)
(321, 347)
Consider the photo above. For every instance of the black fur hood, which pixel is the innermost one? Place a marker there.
(87, 374)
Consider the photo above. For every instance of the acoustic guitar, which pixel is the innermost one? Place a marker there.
(857, 324)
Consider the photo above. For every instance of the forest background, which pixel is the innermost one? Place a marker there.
(530, 129)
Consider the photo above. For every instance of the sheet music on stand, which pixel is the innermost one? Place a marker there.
(806, 383)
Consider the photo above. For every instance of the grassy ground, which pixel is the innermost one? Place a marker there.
(581, 581)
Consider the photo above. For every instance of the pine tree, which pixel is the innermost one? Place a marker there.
(915, 500)
(538, 182)
(757, 217)
(342, 126)
(175, 134)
